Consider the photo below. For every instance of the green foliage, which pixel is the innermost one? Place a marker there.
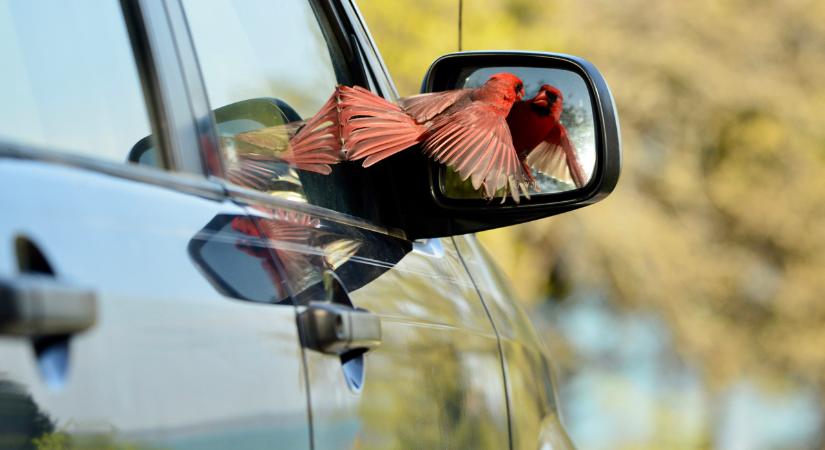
(52, 441)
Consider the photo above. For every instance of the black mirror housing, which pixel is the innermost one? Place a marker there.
(431, 213)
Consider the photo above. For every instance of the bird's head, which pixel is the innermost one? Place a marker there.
(547, 101)
(507, 84)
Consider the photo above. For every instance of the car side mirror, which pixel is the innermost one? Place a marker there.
(565, 131)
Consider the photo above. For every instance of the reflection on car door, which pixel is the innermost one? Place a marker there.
(435, 380)
(171, 360)
(535, 421)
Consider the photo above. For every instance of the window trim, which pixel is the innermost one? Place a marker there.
(374, 61)
(179, 182)
(204, 124)
(158, 53)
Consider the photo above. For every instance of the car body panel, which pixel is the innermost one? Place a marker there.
(434, 328)
(534, 416)
(171, 362)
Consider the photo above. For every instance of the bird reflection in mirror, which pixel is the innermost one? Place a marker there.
(540, 139)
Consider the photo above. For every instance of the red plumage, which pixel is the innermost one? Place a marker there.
(311, 145)
(465, 129)
(541, 140)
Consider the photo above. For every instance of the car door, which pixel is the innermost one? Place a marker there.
(435, 380)
(433, 377)
(132, 313)
(535, 420)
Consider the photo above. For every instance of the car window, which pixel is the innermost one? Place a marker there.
(268, 66)
(69, 81)
(251, 49)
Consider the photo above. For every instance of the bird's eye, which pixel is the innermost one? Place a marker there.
(518, 87)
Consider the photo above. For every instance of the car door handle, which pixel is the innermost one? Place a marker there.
(39, 305)
(336, 329)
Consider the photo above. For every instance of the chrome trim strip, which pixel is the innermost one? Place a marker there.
(181, 182)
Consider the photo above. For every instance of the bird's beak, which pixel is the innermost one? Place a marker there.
(541, 100)
(521, 94)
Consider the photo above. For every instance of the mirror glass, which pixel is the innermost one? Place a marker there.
(552, 127)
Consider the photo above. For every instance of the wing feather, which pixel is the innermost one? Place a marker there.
(476, 143)
(555, 156)
(311, 145)
(424, 107)
(373, 128)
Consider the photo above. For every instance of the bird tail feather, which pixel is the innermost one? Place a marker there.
(318, 143)
(373, 128)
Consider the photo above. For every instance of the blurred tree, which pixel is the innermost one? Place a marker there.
(717, 222)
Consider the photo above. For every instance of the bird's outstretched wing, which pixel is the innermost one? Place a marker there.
(373, 128)
(255, 172)
(311, 145)
(424, 107)
(476, 142)
(317, 144)
(555, 156)
(272, 140)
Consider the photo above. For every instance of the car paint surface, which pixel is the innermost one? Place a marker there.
(436, 380)
(534, 415)
(171, 362)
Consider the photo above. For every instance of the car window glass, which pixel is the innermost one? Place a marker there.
(250, 49)
(267, 67)
(69, 81)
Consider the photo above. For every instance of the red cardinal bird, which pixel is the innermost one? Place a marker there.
(465, 129)
(540, 139)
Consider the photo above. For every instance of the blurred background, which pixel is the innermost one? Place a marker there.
(685, 311)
